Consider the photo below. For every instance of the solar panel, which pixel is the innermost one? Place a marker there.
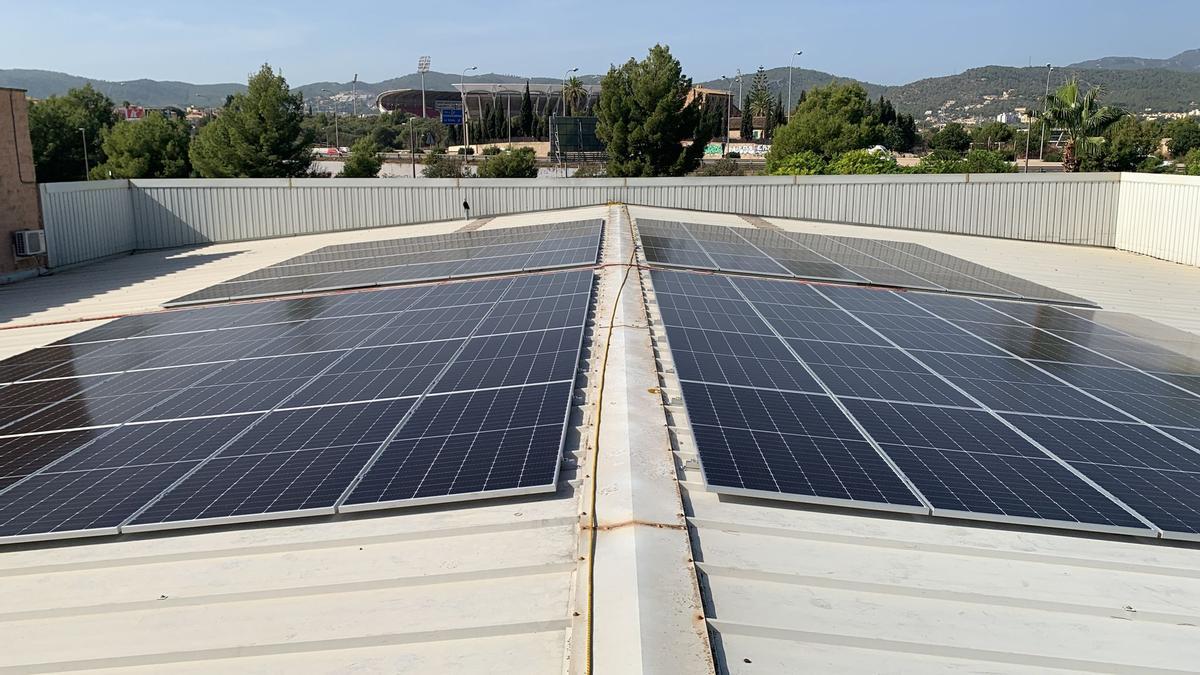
(940, 390)
(295, 462)
(456, 445)
(968, 463)
(1153, 473)
(793, 446)
(332, 393)
(825, 257)
(455, 255)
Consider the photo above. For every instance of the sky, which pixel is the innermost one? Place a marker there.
(881, 41)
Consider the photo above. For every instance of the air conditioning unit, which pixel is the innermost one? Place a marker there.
(29, 242)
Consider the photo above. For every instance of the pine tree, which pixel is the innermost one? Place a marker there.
(497, 121)
(644, 118)
(259, 134)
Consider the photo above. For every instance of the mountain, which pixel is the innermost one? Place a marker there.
(988, 91)
(154, 93)
(1184, 62)
(802, 78)
(976, 93)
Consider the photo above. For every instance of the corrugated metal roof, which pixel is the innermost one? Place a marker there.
(501, 586)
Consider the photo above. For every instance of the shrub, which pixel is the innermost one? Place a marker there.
(721, 167)
(1192, 160)
(953, 136)
(932, 163)
(864, 162)
(491, 150)
(443, 166)
(733, 155)
(807, 163)
(590, 171)
(515, 163)
(986, 161)
(363, 161)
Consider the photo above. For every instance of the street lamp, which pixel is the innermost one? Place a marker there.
(564, 89)
(728, 106)
(462, 91)
(87, 170)
(422, 68)
(1045, 102)
(337, 139)
(791, 104)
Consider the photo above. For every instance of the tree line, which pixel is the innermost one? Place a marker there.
(649, 118)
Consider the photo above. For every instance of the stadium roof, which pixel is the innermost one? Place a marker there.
(684, 579)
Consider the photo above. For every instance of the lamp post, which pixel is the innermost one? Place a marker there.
(564, 89)
(422, 68)
(728, 106)
(791, 103)
(337, 138)
(87, 170)
(462, 91)
(1045, 102)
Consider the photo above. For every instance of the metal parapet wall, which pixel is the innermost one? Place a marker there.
(1150, 215)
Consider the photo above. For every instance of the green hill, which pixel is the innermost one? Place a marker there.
(978, 92)
(1133, 90)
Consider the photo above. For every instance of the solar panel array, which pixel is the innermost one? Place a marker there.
(292, 407)
(933, 403)
(399, 261)
(831, 258)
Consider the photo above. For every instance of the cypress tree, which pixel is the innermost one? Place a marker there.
(527, 122)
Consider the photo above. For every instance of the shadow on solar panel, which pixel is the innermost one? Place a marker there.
(408, 260)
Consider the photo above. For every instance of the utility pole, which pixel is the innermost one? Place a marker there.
(564, 89)
(1045, 102)
(422, 68)
(412, 146)
(462, 91)
(791, 104)
(1028, 135)
(354, 97)
(87, 170)
(337, 138)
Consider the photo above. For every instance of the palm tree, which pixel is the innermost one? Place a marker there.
(575, 95)
(1082, 119)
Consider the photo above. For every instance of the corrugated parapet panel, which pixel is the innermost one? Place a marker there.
(1160, 217)
(1150, 215)
(87, 220)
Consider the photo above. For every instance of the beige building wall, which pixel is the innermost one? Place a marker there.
(19, 208)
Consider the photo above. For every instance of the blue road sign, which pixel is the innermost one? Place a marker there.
(452, 116)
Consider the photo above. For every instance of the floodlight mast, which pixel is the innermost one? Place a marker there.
(422, 68)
